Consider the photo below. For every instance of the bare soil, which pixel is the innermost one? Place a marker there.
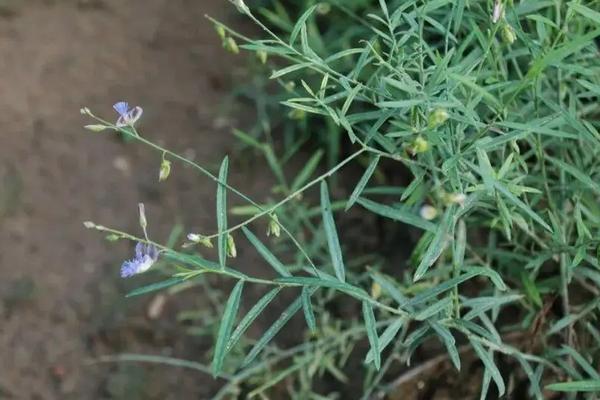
(61, 300)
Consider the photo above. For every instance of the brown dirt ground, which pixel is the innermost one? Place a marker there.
(61, 300)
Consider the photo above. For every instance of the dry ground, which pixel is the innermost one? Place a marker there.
(61, 301)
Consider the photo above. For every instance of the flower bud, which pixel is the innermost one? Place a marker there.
(437, 117)
(203, 240)
(323, 8)
(220, 31)
(428, 212)
(231, 250)
(231, 45)
(498, 12)
(375, 290)
(165, 170)
(419, 145)
(290, 86)
(457, 198)
(262, 56)
(241, 6)
(89, 224)
(143, 221)
(508, 34)
(96, 128)
(273, 227)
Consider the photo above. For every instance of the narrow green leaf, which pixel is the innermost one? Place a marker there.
(534, 379)
(350, 99)
(274, 329)
(575, 386)
(485, 384)
(531, 289)
(437, 245)
(459, 244)
(481, 305)
(486, 171)
(308, 170)
(389, 287)
(490, 366)
(353, 291)
(398, 215)
(249, 318)
(274, 164)
(248, 139)
(517, 202)
(301, 21)
(362, 182)
(266, 253)
(412, 187)
(371, 326)
(586, 12)
(309, 314)
(229, 314)
(577, 174)
(400, 103)
(222, 212)
(155, 286)
(449, 341)
(284, 71)
(441, 288)
(433, 309)
(332, 237)
(386, 338)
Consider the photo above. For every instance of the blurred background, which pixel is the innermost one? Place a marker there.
(62, 302)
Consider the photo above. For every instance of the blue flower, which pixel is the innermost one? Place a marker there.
(145, 256)
(127, 116)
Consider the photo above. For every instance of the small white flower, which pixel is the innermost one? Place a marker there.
(458, 198)
(194, 237)
(428, 212)
(498, 12)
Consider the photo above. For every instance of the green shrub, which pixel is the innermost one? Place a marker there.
(489, 113)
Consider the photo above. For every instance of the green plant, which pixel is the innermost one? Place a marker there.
(490, 110)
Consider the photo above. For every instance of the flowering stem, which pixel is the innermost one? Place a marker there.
(240, 276)
(134, 134)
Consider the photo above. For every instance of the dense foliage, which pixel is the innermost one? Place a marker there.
(489, 113)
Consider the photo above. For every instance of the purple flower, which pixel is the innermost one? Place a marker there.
(145, 256)
(127, 116)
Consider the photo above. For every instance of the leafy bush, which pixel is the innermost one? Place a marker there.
(489, 112)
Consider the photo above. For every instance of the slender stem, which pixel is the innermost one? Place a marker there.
(240, 276)
(134, 134)
(293, 194)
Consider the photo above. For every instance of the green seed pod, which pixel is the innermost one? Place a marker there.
(420, 145)
(143, 221)
(508, 34)
(165, 170)
(221, 31)
(231, 45)
(112, 237)
(437, 117)
(231, 250)
(96, 128)
(262, 56)
(274, 228)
